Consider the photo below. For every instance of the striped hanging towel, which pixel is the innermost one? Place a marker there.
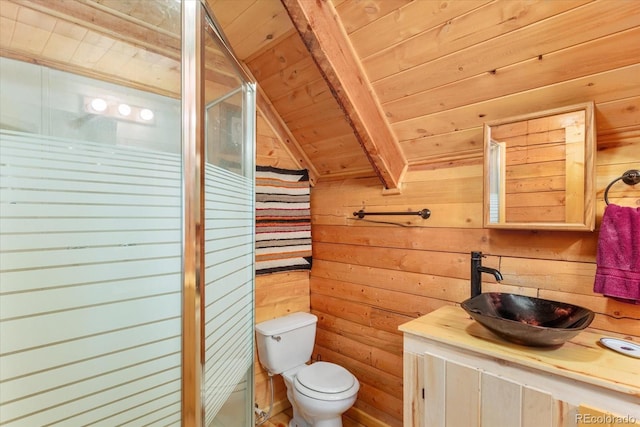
(283, 220)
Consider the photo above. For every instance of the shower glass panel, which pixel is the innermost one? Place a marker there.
(229, 239)
(90, 282)
(92, 218)
(90, 207)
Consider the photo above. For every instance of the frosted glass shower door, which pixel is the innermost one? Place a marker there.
(228, 299)
(90, 266)
(229, 241)
(91, 214)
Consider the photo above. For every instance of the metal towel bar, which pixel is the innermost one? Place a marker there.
(424, 213)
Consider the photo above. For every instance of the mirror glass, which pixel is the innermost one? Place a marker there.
(539, 170)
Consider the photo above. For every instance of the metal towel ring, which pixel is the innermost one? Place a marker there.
(630, 177)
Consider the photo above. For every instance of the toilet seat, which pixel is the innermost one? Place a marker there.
(326, 381)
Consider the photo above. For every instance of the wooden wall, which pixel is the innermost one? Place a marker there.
(369, 276)
(276, 294)
(437, 86)
(441, 69)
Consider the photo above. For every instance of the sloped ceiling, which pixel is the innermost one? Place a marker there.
(120, 41)
(360, 87)
(437, 71)
(303, 61)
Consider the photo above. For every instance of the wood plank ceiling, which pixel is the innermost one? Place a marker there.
(436, 70)
(314, 80)
(358, 87)
(105, 39)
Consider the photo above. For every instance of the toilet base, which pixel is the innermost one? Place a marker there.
(298, 423)
(322, 423)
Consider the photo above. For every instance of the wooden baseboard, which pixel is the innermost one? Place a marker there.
(363, 418)
(354, 414)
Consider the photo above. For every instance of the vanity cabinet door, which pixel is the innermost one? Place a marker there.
(505, 403)
(413, 390)
(501, 402)
(457, 395)
(452, 394)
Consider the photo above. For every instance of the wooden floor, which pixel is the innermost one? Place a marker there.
(282, 420)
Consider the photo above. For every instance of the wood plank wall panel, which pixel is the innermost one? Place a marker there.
(457, 133)
(275, 294)
(441, 69)
(269, 149)
(406, 270)
(283, 293)
(437, 111)
(280, 294)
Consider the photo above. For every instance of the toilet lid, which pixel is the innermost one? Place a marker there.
(325, 377)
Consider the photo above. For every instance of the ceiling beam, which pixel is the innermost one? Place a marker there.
(318, 24)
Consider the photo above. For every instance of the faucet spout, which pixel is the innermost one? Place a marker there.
(476, 272)
(493, 271)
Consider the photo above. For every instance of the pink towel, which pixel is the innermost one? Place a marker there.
(618, 255)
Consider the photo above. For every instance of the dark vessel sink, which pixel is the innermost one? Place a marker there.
(526, 320)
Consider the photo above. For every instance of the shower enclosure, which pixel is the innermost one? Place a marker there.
(126, 218)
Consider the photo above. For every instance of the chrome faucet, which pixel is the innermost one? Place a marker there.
(476, 272)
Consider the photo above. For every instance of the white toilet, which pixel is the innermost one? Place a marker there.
(319, 393)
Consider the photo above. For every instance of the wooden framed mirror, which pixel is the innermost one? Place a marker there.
(539, 170)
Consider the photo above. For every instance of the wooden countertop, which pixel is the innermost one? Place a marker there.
(583, 358)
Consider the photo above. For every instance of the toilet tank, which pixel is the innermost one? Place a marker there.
(286, 342)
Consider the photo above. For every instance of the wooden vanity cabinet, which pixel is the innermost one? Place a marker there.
(458, 395)
(452, 379)
(444, 393)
